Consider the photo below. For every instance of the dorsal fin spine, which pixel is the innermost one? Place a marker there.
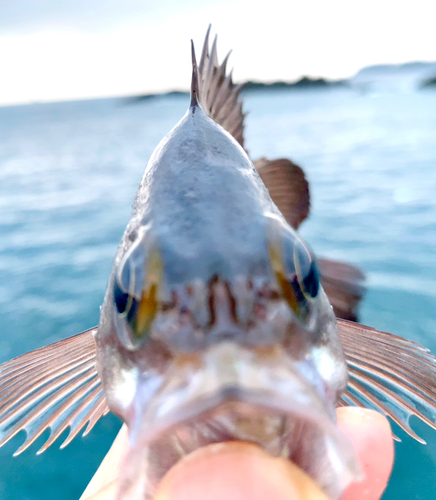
(194, 82)
(205, 51)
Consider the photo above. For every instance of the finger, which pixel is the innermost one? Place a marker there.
(369, 432)
(236, 471)
(107, 492)
(103, 484)
(371, 436)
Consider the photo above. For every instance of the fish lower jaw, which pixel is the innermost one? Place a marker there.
(280, 434)
(235, 421)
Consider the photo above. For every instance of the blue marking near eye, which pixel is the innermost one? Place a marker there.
(120, 298)
(311, 281)
(125, 303)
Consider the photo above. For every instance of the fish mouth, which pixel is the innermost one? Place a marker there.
(235, 393)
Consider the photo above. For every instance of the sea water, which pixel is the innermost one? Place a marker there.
(68, 176)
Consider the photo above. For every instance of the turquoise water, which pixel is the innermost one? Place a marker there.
(68, 175)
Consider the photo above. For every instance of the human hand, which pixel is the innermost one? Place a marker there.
(243, 471)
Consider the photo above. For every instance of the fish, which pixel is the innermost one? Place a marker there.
(215, 325)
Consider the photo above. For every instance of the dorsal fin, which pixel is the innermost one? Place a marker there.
(194, 82)
(217, 95)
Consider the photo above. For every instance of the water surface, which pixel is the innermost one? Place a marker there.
(68, 175)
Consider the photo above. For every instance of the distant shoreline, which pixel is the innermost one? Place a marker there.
(430, 83)
(417, 75)
(303, 83)
(423, 73)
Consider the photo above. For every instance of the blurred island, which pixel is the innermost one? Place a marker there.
(380, 78)
(406, 77)
(303, 83)
(431, 82)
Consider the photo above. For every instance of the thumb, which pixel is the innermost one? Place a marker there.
(236, 471)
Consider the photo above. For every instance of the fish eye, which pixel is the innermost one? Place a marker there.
(311, 281)
(307, 270)
(135, 294)
(125, 303)
(296, 272)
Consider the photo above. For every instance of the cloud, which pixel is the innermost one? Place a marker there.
(51, 50)
(19, 16)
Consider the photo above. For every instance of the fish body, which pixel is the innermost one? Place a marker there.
(215, 325)
(236, 292)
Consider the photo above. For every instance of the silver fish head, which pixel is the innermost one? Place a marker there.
(214, 325)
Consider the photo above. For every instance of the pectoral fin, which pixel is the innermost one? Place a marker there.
(54, 387)
(390, 374)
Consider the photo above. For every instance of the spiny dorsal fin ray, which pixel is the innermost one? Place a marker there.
(205, 50)
(54, 388)
(217, 94)
(390, 374)
(194, 82)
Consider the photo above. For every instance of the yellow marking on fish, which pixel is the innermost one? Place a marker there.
(148, 305)
(276, 259)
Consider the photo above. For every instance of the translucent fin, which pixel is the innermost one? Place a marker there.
(390, 374)
(288, 188)
(343, 284)
(218, 95)
(54, 387)
(194, 80)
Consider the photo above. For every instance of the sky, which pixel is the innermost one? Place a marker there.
(63, 49)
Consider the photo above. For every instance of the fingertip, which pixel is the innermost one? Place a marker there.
(236, 471)
(363, 419)
(371, 435)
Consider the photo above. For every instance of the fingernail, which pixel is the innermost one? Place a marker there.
(236, 471)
